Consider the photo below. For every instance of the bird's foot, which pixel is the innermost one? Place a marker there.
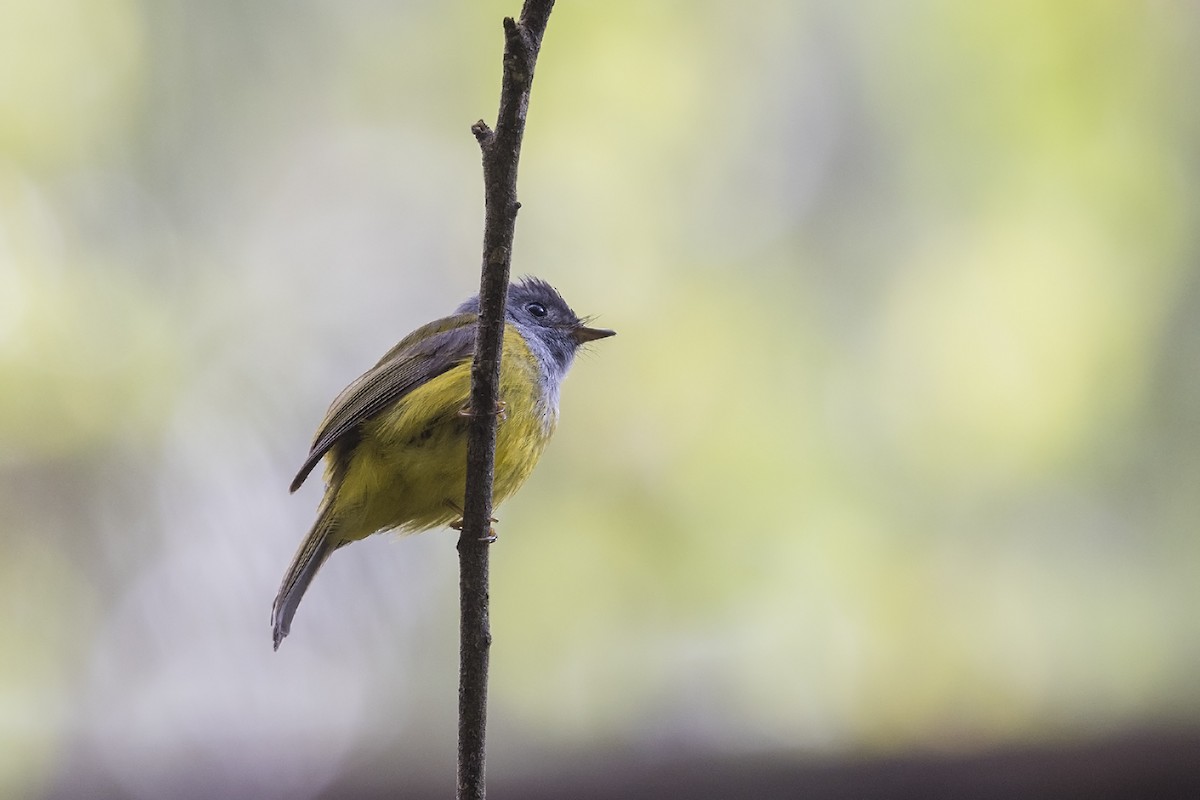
(458, 523)
(501, 410)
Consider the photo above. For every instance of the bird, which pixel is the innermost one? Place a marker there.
(394, 441)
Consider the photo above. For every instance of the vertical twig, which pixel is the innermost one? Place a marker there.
(501, 154)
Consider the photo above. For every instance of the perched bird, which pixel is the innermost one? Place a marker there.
(395, 440)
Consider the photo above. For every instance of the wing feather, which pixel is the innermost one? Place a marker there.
(424, 354)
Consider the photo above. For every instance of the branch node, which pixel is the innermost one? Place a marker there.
(512, 31)
(520, 49)
(483, 134)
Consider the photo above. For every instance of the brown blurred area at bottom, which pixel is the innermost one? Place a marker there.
(1159, 764)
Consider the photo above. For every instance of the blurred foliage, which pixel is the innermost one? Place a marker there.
(897, 448)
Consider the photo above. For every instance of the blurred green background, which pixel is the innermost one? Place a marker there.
(897, 451)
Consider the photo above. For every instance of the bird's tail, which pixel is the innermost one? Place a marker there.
(313, 551)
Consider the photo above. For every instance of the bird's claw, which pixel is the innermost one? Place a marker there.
(501, 410)
(458, 523)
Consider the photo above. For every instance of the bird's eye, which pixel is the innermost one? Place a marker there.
(537, 309)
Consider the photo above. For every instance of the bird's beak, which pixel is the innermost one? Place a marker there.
(583, 334)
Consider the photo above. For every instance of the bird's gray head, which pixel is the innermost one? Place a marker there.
(553, 331)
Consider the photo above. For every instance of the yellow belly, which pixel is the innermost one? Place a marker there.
(408, 469)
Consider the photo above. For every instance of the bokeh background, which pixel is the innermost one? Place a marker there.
(897, 451)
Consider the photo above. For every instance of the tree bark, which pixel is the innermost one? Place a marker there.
(501, 150)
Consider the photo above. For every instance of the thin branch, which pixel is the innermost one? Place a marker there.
(501, 150)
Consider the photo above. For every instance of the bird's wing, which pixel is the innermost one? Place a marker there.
(424, 354)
